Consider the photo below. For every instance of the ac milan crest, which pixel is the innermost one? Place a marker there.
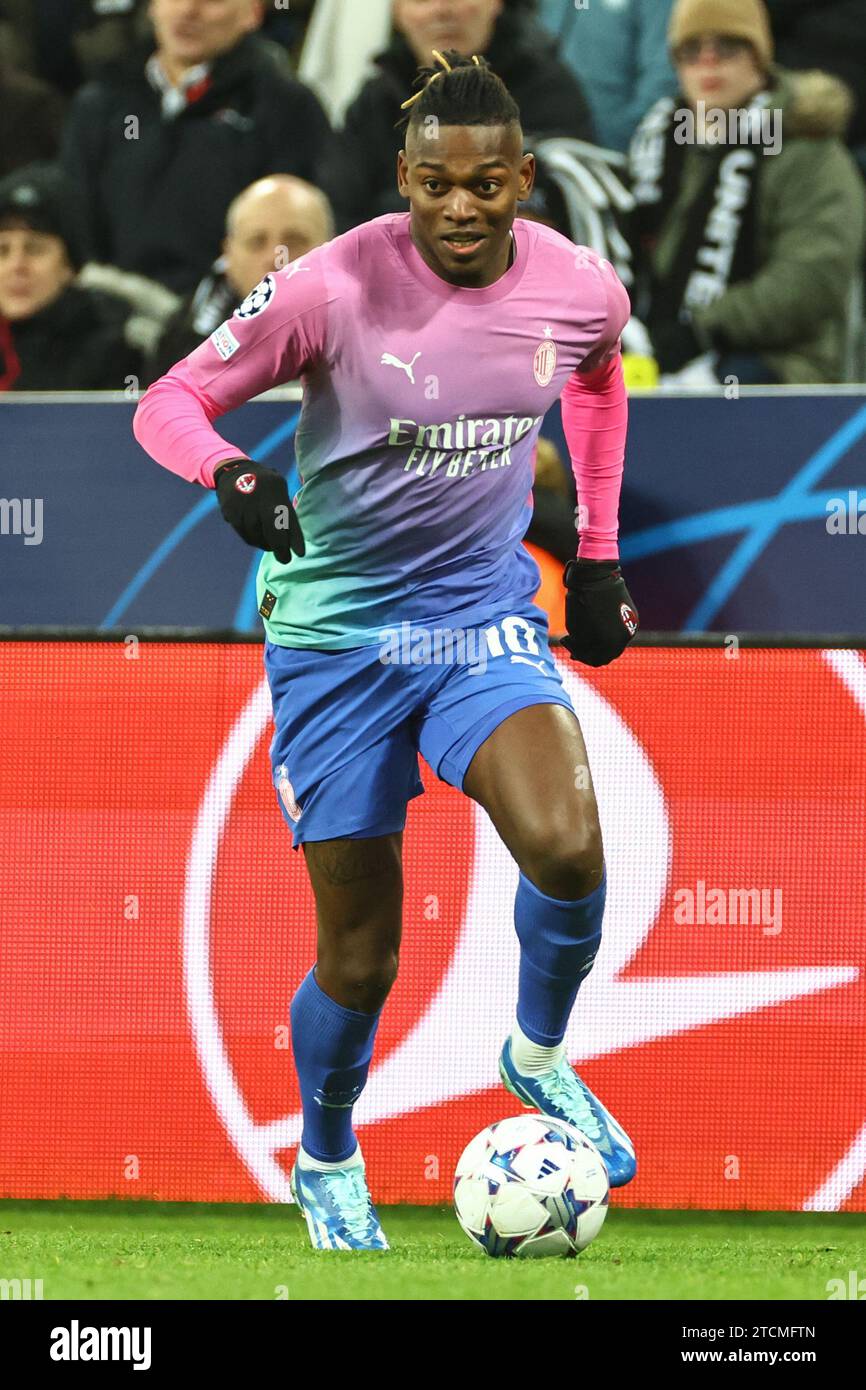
(544, 363)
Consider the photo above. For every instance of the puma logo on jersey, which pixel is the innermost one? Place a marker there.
(527, 662)
(389, 360)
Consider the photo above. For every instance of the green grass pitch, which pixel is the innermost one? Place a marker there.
(166, 1250)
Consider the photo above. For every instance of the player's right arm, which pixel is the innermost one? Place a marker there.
(275, 336)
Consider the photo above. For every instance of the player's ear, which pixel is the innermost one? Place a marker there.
(402, 174)
(527, 177)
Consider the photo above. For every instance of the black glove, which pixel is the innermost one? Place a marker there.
(677, 344)
(599, 613)
(255, 501)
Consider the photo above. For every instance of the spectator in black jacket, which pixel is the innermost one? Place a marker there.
(54, 335)
(550, 98)
(160, 148)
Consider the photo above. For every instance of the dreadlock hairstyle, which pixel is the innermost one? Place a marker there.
(459, 91)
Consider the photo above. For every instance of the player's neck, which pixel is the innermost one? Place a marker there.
(503, 264)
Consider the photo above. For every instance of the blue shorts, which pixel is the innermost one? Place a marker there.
(350, 724)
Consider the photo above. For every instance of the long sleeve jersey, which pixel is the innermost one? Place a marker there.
(422, 403)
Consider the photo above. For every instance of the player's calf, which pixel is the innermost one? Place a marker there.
(358, 885)
(335, 1012)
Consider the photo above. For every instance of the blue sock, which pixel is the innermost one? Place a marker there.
(332, 1047)
(558, 944)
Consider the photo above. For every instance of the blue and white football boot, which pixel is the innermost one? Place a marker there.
(338, 1208)
(563, 1096)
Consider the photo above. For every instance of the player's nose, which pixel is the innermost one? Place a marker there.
(461, 208)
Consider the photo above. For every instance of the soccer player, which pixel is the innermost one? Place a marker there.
(430, 344)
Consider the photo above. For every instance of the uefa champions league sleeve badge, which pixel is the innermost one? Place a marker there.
(257, 300)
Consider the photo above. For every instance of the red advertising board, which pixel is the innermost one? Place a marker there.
(155, 922)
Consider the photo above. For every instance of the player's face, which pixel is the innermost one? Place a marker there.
(195, 31)
(34, 269)
(464, 184)
(466, 25)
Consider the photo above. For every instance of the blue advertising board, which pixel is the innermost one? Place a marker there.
(737, 515)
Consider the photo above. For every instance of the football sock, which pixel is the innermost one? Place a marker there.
(531, 1059)
(306, 1161)
(558, 944)
(333, 1047)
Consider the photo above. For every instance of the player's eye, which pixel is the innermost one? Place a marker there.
(436, 185)
(489, 186)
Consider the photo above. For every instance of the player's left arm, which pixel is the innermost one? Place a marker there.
(600, 616)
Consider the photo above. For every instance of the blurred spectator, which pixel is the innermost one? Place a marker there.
(270, 224)
(751, 229)
(618, 50)
(830, 36)
(160, 148)
(66, 42)
(31, 116)
(54, 335)
(550, 99)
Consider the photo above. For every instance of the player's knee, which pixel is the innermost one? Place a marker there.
(566, 860)
(379, 976)
(361, 981)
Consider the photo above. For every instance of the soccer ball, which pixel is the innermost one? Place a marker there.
(531, 1186)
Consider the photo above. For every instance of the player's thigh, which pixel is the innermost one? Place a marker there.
(531, 775)
(358, 887)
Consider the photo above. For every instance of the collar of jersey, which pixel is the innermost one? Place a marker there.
(420, 270)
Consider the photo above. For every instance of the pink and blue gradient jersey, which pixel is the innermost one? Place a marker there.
(421, 410)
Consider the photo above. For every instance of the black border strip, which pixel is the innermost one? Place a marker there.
(229, 637)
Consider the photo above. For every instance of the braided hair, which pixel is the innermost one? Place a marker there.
(459, 91)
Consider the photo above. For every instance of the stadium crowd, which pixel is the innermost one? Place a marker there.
(156, 159)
